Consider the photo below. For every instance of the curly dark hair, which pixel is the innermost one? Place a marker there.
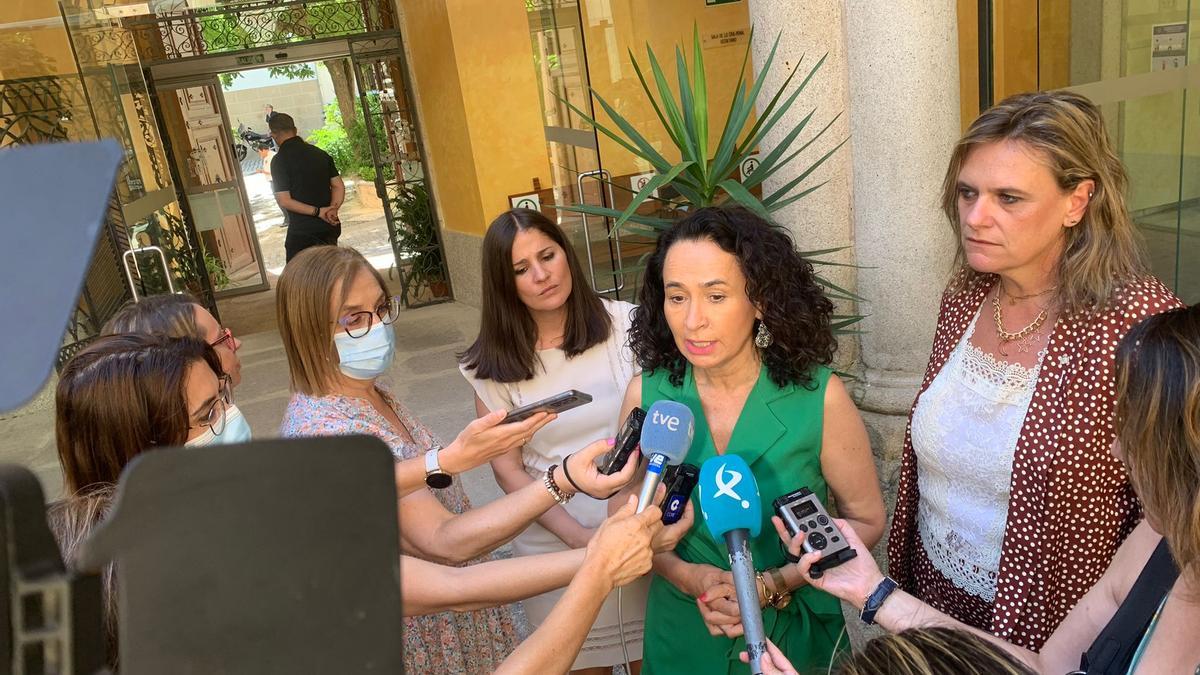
(779, 281)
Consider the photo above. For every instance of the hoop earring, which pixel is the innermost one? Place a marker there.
(763, 338)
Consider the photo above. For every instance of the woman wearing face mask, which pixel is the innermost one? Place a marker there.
(544, 330)
(178, 315)
(121, 396)
(336, 317)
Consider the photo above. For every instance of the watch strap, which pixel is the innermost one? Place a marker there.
(876, 599)
(435, 477)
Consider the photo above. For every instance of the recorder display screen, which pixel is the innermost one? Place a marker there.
(804, 509)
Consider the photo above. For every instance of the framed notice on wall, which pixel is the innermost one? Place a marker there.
(1168, 46)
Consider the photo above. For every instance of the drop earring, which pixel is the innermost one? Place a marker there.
(763, 338)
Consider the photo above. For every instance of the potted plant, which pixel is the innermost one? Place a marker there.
(704, 175)
(415, 238)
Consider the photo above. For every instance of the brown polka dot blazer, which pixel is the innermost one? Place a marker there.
(1071, 505)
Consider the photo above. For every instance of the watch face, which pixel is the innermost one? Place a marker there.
(439, 480)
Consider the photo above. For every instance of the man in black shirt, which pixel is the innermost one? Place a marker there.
(307, 186)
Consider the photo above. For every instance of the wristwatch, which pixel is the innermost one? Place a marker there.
(876, 599)
(434, 476)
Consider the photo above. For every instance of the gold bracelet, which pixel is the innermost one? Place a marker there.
(778, 581)
(761, 585)
(782, 597)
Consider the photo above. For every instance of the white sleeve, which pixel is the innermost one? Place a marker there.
(495, 395)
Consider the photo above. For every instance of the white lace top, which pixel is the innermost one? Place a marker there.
(964, 432)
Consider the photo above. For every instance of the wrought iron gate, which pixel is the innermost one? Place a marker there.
(401, 176)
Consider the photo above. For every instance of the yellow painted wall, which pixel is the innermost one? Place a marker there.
(501, 101)
(439, 95)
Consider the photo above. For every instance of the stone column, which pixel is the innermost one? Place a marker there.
(808, 30)
(904, 120)
(893, 69)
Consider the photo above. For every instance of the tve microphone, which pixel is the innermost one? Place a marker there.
(732, 509)
(666, 439)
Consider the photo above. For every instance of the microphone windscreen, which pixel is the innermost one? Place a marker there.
(729, 496)
(668, 431)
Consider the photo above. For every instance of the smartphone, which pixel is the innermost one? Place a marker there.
(627, 441)
(557, 403)
(680, 481)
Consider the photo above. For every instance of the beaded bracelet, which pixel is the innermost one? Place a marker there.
(552, 487)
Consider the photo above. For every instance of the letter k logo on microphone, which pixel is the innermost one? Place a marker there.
(725, 486)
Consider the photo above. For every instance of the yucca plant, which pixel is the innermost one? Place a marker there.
(706, 176)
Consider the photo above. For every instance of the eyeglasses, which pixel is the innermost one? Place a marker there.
(225, 339)
(214, 419)
(358, 324)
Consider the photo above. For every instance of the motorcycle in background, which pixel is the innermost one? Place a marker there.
(246, 135)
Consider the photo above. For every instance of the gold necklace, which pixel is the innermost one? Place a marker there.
(1023, 334)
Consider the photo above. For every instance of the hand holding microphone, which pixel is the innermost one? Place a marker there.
(621, 549)
(666, 439)
(732, 510)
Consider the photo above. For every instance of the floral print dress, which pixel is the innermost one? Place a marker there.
(466, 643)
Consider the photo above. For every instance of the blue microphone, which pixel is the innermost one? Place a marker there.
(732, 509)
(666, 439)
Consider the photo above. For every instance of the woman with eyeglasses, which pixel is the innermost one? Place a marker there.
(121, 396)
(178, 315)
(335, 317)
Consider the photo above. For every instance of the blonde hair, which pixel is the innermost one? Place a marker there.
(1103, 251)
(302, 306)
(932, 651)
(1158, 418)
(167, 315)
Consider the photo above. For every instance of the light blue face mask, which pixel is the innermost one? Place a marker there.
(369, 356)
(236, 430)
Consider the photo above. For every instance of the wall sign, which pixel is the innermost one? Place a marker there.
(724, 38)
(748, 165)
(638, 181)
(1168, 46)
(526, 201)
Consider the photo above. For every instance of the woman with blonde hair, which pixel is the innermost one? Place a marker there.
(335, 317)
(1009, 505)
(1141, 617)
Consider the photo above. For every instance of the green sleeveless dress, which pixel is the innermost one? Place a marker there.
(779, 436)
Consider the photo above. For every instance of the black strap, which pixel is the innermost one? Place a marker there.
(1113, 649)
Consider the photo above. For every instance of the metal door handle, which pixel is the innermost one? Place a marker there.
(132, 254)
(604, 176)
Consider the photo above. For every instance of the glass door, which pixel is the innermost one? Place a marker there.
(193, 115)
(1139, 60)
(581, 47)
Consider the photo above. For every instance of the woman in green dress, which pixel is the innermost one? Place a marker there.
(732, 323)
